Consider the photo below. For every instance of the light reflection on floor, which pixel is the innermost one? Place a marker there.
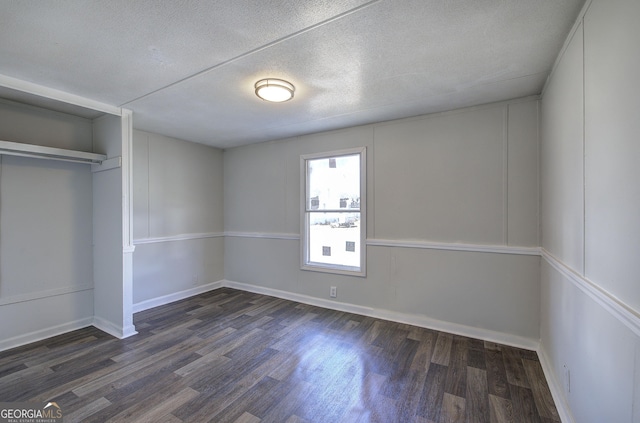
(340, 376)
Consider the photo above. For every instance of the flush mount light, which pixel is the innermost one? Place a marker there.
(274, 90)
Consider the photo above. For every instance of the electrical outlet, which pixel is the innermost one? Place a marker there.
(333, 292)
(567, 379)
(195, 279)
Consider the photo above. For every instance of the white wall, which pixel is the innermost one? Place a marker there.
(112, 274)
(590, 303)
(46, 214)
(178, 217)
(463, 177)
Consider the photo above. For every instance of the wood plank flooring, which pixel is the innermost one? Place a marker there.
(233, 356)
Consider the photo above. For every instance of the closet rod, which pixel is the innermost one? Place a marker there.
(41, 152)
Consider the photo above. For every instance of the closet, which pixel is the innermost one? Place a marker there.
(65, 212)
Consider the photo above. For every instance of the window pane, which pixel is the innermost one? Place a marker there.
(333, 221)
(334, 238)
(334, 183)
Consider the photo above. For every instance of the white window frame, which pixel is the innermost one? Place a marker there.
(305, 263)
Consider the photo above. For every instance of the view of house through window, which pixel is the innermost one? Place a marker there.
(333, 212)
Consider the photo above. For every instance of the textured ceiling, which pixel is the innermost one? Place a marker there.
(187, 68)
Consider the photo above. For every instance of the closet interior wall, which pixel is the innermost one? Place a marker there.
(46, 226)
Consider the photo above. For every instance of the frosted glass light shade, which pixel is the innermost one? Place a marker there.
(274, 90)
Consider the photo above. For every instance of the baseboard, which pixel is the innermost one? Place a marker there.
(113, 329)
(557, 392)
(411, 319)
(176, 296)
(128, 331)
(39, 335)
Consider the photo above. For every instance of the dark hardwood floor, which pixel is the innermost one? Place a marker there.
(233, 356)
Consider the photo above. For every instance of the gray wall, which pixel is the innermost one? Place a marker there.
(46, 214)
(178, 216)
(590, 303)
(463, 177)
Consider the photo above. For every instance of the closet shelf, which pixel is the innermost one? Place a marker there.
(41, 152)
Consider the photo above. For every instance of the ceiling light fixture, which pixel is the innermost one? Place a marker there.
(274, 90)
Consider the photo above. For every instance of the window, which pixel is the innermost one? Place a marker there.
(333, 193)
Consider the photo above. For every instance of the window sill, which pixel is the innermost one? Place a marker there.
(337, 270)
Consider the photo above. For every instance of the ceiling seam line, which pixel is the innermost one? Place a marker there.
(256, 50)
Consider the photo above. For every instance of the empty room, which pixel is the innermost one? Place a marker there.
(332, 211)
